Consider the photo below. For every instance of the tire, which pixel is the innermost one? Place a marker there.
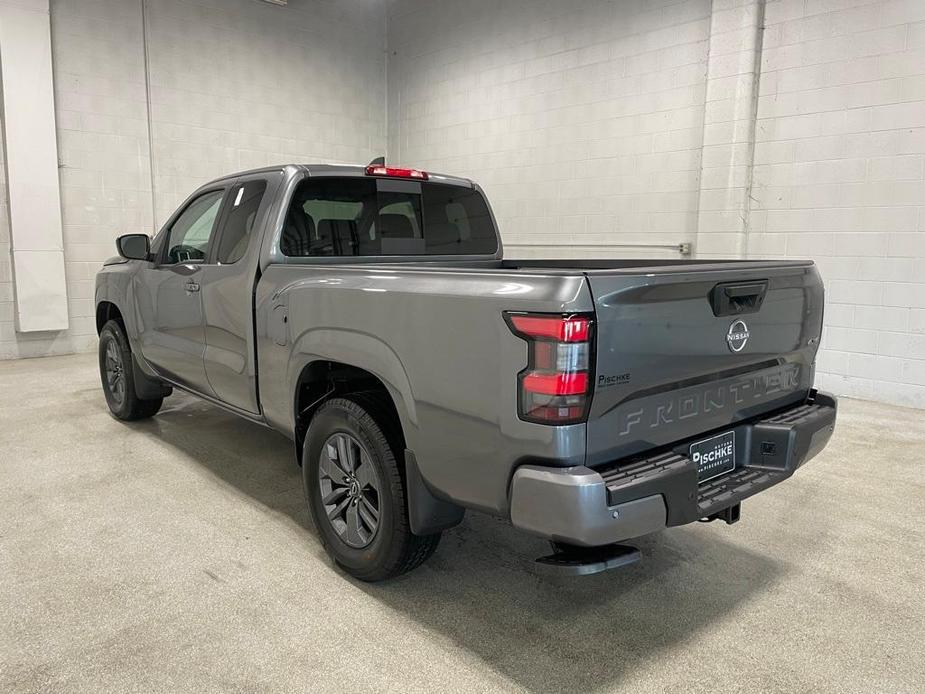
(118, 377)
(369, 554)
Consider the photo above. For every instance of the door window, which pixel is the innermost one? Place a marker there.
(239, 222)
(192, 231)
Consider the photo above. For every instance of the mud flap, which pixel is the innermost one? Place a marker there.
(147, 387)
(426, 513)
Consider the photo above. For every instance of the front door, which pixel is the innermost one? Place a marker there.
(169, 298)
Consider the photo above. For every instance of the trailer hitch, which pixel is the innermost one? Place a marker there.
(729, 514)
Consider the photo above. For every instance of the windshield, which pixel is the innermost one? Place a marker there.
(371, 217)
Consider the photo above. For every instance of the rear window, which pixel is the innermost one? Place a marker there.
(370, 217)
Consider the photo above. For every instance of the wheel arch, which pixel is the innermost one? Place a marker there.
(106, 311)
(323, 379)
(147, 385)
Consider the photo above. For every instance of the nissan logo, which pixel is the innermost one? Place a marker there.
(737, 335)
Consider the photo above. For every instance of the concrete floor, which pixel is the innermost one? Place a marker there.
(177, 555)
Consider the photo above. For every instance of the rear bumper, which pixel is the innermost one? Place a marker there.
(635, 497)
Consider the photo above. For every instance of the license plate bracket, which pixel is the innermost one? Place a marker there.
(714, 456)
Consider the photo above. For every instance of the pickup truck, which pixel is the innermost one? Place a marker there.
(368, 314)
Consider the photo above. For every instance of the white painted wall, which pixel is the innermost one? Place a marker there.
(237, 84)
(582, 120)
(839, 176)
(234, 84)
(103, 150)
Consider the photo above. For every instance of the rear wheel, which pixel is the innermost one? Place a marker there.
(356, 492)
(117, 376)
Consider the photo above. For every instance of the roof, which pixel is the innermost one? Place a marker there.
(338, 170)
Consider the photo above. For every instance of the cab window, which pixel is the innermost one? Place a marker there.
(238, 227)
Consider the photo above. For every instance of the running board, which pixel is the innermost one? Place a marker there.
(584, 561)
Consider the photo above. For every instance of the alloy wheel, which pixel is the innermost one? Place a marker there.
(115, 372)
(350, 490)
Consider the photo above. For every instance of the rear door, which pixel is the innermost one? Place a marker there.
(228, 289)
(689, 350)
(169, 303)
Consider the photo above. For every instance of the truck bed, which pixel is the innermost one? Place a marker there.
(643, 264)
(568, 266)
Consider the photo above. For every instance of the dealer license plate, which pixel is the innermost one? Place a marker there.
(714, 456)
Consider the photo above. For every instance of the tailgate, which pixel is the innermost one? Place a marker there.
(687, 350)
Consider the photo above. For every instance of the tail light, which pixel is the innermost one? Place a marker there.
(395, 172)
(555, 388)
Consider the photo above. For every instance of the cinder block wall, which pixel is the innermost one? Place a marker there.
(241, 84)
(233, 84)
(839, 176)
(104, 159)
(582, 120)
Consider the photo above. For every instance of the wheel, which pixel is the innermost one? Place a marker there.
(119, 379)
(356, 492)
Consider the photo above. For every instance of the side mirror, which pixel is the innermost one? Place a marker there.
(134, 246)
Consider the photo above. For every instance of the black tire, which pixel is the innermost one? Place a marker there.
(391, 549)
(119, 389)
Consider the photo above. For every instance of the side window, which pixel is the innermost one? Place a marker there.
(239, 222)
(191, 232)
(332, 216)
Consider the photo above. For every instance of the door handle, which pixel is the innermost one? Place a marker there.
(192, 286)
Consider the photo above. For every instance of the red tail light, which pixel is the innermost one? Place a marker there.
(559, 328)
(394, 172)
(556, 384)
(555, 388)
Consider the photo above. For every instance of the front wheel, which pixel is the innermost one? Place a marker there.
(118, 378)
(356, 493)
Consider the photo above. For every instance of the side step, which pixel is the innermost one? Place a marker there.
(570, 560)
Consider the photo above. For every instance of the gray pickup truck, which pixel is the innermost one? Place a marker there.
(367, 314)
